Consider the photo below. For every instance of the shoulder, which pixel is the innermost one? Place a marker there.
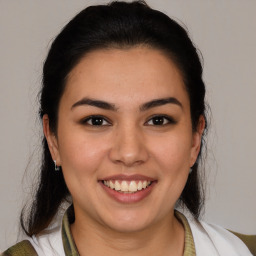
(23, 248)
(249, 240)
(48, 243)
(215, 239)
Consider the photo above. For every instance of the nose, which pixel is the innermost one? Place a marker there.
(129, 147)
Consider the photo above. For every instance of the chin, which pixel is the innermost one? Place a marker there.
(127, 227)
(128, 222)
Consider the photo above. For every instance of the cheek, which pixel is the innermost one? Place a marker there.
(172, 158)
(172, 152)
(81, 154)
(82, 158)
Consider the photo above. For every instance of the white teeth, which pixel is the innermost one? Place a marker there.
(117, 186)
(112, 185)
(124, 186)
(127, 186)
(144, 184)
(133, 186)
(140, 185)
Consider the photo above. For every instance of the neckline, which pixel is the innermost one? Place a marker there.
(71, 249)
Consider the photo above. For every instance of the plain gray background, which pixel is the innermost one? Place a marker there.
(224, 31)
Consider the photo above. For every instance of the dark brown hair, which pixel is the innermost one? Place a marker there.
(116, 25)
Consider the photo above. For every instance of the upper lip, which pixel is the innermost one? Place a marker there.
(128, 177)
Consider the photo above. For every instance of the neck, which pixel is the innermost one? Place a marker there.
(163, 238)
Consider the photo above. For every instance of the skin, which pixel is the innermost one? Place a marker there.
(128, 142)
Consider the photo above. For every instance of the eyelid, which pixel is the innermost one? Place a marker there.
(170, 119)
(85, 120)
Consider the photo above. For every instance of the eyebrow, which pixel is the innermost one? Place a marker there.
(95, 103)
(160, 102)
(110, 106)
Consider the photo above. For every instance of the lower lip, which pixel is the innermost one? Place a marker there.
(128, 197)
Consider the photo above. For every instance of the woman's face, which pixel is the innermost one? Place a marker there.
(124, 138)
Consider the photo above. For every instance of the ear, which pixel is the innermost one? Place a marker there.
(196, 141)
(51, 140)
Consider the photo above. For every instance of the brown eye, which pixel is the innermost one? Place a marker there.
(160, 120)
(96, 121)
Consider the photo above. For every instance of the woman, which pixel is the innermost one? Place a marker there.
(123, 112)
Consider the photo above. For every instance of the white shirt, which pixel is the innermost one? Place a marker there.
(209, 240)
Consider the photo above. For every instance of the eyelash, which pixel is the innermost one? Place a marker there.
(167, 120)
(90, 119)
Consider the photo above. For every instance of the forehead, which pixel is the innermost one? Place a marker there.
(138, 73)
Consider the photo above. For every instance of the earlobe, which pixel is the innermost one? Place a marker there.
(51, 140)
(197, 137)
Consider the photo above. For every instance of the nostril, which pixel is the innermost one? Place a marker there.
(129, 156)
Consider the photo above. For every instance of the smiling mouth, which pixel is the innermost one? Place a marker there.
(125, 186)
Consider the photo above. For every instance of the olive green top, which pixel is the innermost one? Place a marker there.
(23, 248)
